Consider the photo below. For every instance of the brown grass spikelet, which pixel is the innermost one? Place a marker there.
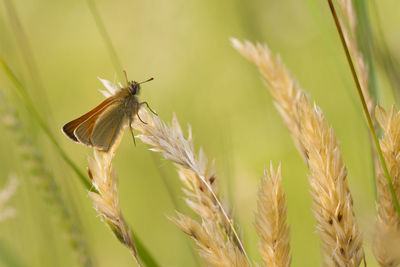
(387, 229)
(270, 220)
(216, 236)
(106, 199)
(332, 202)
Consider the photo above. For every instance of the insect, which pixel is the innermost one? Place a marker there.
(100, 127)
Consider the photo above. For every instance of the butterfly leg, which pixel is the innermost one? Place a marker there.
(137, 113)
(147, 104)
(131, 130)
(141, 119)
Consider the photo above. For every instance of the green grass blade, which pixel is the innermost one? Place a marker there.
(8, 257)
(25, 49)
(316, 10)
(384, 57)
(366, 43)
(28, 103)
(144, 253)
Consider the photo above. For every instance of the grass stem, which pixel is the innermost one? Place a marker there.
(364, 105)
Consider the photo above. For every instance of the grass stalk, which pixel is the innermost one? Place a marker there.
(106, 198)
(106, 202)
(353, 29)
(364, 105)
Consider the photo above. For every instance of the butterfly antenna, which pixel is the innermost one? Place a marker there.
(126, 76)
(148, 80)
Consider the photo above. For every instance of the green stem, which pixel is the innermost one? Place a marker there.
(364, 105)
(143, 253)
(28, 103)
(105, 36)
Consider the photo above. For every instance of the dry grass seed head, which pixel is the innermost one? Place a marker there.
(214, 246)
(386, 245)
(316, 141)
(390, 145)
(332, 201)
(106, 199)
(195, 172)
(218, 241)
(270, 220)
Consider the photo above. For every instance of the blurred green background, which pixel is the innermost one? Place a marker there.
(185, 46)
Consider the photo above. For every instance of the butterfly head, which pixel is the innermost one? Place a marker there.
(134, 87)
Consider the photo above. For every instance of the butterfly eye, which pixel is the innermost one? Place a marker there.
(137, 90)
(133, 89)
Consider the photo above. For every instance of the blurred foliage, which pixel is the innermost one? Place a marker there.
(185, 46)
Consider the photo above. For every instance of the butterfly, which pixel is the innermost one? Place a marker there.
(100, 127)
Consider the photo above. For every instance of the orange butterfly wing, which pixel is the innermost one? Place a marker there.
(107, 127)
(71, 126)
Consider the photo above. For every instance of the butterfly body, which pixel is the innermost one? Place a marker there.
(100, 127)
